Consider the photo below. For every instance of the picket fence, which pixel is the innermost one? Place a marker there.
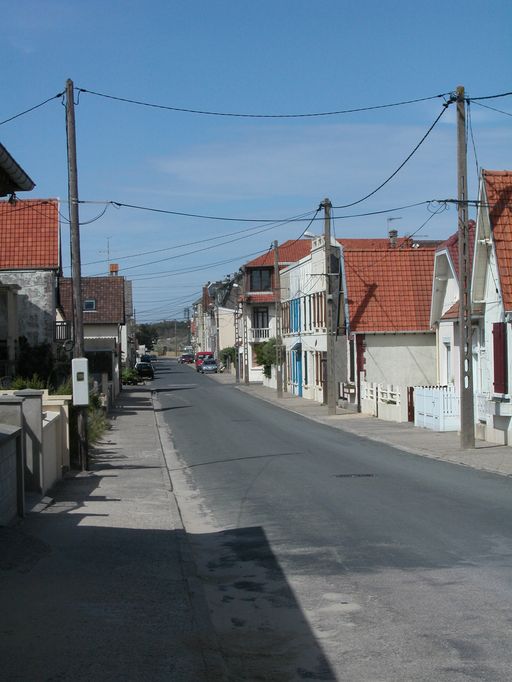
(436, 408)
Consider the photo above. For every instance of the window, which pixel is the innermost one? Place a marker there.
(260, 318)
(89, 304)
(260, 280)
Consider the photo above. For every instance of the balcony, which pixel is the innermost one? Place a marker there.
(62, 331)
(260, 334)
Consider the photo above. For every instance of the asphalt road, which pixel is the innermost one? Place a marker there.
(326, 556)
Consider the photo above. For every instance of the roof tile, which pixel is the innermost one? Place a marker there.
(498, 187)
(391, 292)
(29, 234)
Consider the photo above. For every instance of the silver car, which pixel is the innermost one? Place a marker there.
(209, 365)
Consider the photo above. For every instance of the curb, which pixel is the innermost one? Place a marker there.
(216, 670)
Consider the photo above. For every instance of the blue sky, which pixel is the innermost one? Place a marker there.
(259, 57)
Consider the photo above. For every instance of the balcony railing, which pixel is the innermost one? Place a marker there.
(62, 331)
(260, 334)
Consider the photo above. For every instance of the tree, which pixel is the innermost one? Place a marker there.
(147, 335)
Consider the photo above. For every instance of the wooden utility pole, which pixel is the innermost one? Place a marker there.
(329, 323)
(176, 338)
(279, 340)
(74, 223)
(467, 418)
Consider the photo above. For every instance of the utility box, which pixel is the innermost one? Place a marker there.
(80, 378)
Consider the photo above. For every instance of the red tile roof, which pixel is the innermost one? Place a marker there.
(452, 246)
(108, 292)
(29, 234)
(389, 292)
(498, 188)
(289, 252)
(378, 243)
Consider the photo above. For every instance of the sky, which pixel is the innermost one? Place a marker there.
(265, 57)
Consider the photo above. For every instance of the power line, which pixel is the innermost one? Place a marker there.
(202, 241)
(370, 194)
(503, 94)
(205, 112)
(486, 106)
(172, 273)
(22, 113)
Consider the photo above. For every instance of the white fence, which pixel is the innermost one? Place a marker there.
(436, 408)
(384, 401)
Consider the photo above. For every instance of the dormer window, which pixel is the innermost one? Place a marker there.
(261, 280)
(89, 305)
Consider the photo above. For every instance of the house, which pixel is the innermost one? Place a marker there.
(29, 269)
(444, 314)
(383, 317)
(258, 323)
(492, 291)
(103, 300)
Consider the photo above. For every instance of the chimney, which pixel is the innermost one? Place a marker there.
(393, 234)
(114, 269)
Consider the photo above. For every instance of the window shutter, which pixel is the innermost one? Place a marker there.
(499, 338)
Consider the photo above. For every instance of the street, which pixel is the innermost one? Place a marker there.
(326, 556)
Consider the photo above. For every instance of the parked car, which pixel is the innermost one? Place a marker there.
(145, 369)
(186, 359)
(209, 365)
(153, 358)
(145, 358)
(202, 355)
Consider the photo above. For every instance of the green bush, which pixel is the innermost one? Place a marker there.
(19, 383)
(129, 376)
(227, 355)
(266, 355)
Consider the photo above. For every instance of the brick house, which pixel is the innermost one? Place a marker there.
(30, 266)
(104, 317)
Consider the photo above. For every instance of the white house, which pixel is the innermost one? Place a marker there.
(492, 290)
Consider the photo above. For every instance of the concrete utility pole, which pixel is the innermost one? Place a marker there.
(467, 417)
(329, 324)
(245, 335)
(279, 340)
(74, 223)
(237, 345)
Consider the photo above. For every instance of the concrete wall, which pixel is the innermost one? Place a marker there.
(11, 477)
(401, 359)
(36, 303)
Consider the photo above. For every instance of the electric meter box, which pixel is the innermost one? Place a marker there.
(80, 378)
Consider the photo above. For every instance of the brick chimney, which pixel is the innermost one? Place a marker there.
(114, 269)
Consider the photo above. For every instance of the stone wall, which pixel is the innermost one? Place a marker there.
(36, 303)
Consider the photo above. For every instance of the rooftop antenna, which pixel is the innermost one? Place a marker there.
(108, 253)
(391, 218)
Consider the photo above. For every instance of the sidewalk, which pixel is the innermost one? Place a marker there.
(443, 446)
(96, 586)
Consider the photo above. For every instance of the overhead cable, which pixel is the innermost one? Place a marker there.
(486, 106)
(204, 112)
(22, 113)
(409, 156)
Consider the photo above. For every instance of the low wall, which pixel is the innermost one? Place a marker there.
(11, 474)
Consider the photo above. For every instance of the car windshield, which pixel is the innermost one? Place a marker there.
(209, 362)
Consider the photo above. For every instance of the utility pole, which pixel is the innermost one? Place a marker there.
(176, 338)
(329, 323)
(237, 345)
(279, 340)
(74, 223)
(467, 418)
(245, 335)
